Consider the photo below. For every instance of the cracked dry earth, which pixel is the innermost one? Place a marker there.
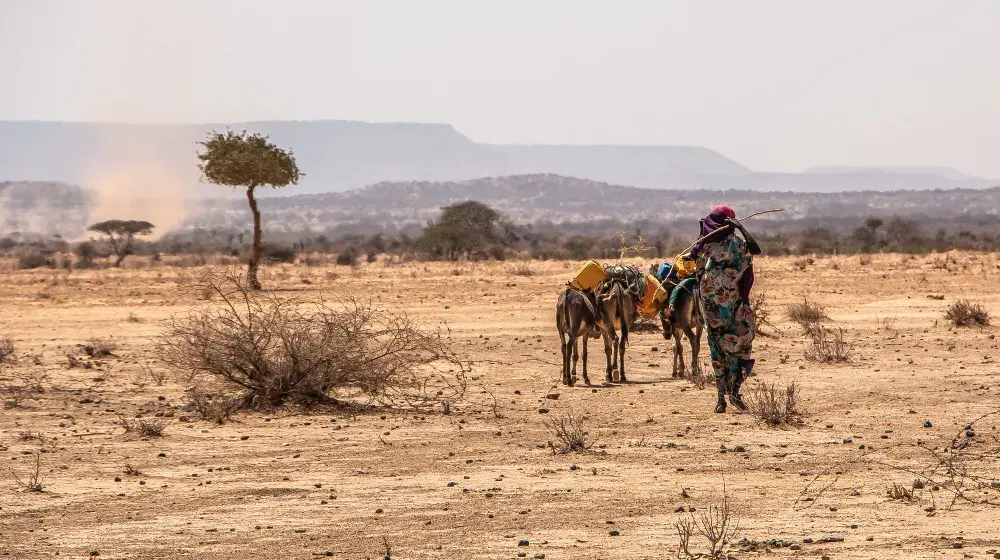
(297, 484)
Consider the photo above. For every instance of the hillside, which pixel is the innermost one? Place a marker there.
(552, 198)
(46, 208)
(335, 155)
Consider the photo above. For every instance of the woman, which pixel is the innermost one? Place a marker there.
(725, 276)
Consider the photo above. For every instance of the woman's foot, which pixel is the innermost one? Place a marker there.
(720, 406)
(737, 401)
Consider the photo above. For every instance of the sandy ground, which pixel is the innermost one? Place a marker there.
(304, 485)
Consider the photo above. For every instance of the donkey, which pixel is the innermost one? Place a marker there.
(577, 316)
(619, 313)
(687, 320)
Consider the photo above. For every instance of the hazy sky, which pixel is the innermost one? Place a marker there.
(776, 85)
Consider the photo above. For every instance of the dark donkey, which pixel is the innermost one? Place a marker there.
(577, 316)
(619, 313)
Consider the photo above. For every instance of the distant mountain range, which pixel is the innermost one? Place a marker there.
(341, 155)
(49, 208)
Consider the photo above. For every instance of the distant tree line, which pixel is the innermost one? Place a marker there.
(474, 231)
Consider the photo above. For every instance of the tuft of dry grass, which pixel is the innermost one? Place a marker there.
(898, 492)
(142, 426)
(829, 346)
(98, 347)
(807, 314)
(962, 313)
(6, 350)
(33, 481)
(773, 403)
(571, 432)
(719, 525)
(213, 407)
(522, 269)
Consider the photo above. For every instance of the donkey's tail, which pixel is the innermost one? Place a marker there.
(621, 315)
(567, 327)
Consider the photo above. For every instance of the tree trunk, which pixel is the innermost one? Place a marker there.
(255, 252)
(124, 248)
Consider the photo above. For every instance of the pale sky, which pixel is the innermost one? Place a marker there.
(776, 85)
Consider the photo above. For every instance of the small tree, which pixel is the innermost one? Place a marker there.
(120, 234)
(247, 161)
(466, 228)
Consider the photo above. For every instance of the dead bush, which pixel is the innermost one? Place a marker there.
(282, 351)
(212, 406)
(719, 525)
(762, 312)
(829, 346)
(571, 433)
(807, 314)
(962, 313)
(772, 402)
(142, 426)
(33, 481)
(98, 347)
(14, 395)
(522, 269)
(898, 492)
(6, 351)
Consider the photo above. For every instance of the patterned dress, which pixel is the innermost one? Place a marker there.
(731, 325)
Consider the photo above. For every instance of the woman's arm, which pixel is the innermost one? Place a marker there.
(752, 246)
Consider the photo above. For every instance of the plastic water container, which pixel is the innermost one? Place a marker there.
(589, 276)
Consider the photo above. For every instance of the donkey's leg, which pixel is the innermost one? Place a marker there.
(586, 378)
(575, 348)
(678, 356)
(565, 357)
(621, 360)
(608, 349)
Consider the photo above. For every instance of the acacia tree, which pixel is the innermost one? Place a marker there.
(120, 234)
(465, 228)
(245, 160)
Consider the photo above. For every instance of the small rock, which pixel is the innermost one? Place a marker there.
(300, 530)
(539, 555)
(613, 533)
(958, 544)
(928, 424)
(379, 510)
(523, 542)
(244, 438)
(807, 540)
(795, 547)
(870, 539)
(118, 479)
(553, 396)
(833, 508)
(543, 411)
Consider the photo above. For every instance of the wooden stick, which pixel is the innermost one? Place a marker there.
(702, 238)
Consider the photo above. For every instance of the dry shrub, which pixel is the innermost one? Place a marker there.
(965, 314)
(898, 492)
(143, 427)
(6, 350)
(773, 403)
(522, 269)
(829, 346)
(807, 314)
(213, 407)
(720, 525)
(100, 347)
(306, 352)
(33, 481)
(703, 376)
(762, 311)
(571, 432)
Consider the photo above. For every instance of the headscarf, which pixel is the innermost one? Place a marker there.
(713, 221)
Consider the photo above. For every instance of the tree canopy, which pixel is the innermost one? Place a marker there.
(466, 227)
(121, 233)
(242, 159)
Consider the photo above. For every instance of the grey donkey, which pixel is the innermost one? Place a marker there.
(684, 319)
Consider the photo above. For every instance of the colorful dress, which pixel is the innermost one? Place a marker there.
(731, 324)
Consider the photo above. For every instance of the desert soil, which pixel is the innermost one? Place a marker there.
(306, 484)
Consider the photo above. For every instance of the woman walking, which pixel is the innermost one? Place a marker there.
(725, 276)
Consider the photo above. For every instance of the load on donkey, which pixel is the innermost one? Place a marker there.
(604, 301)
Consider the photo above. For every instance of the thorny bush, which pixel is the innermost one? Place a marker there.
(285, 350)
